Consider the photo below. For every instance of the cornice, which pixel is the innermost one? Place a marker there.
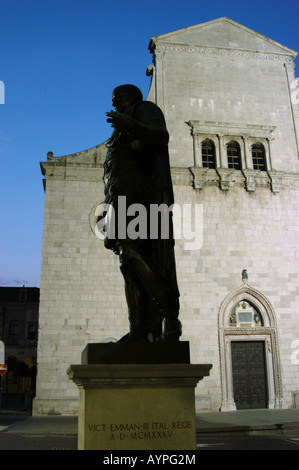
(229, 52)
(228, 128)
(196, 177)
(226, 178)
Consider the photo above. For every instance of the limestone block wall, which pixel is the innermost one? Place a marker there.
(215, 90)
(222, 72)
(241, 230)
(82, 296)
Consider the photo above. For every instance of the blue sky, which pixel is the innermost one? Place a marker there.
(59, 62)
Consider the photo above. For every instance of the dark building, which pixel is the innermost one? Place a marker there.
(19, 332)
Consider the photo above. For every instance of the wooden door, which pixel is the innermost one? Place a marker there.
(249, 374)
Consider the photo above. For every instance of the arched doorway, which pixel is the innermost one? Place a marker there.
(249, 353)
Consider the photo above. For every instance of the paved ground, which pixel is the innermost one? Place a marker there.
(247, 421)
(239, 430)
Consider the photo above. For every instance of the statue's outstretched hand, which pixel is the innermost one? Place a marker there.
(121, 121)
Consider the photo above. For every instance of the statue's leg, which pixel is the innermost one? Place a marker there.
(171, 326)
(145, 321)
(130, 256)
(136, 309)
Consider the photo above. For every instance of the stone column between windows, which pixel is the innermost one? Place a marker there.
(246, 160)
(197, 150)
(268, 155)
(222, 154)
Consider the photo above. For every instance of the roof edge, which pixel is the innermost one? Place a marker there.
(163, 37)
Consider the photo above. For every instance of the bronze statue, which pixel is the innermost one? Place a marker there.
(137, 168)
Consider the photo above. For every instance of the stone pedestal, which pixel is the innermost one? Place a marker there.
(143, 406)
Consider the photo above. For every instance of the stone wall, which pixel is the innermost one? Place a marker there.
(82, 297)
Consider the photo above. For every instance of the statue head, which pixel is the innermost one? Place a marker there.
(124, 96)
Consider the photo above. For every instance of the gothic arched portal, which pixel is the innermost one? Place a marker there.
(247, 322)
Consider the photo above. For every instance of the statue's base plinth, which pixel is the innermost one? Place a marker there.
(136, 353)
(137, 406)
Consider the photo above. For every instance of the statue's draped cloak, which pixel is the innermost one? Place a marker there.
(140, 170)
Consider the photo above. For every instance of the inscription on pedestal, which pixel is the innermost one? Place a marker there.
(140, 431)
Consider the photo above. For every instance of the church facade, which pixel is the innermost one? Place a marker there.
(230, 100)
